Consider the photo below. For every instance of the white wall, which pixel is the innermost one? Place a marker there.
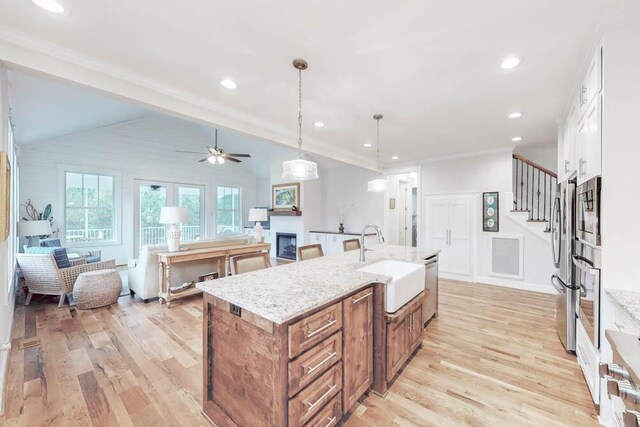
(7, 291)
(621, 151)
(477, 174)
(544, 155)
(129, 156)
(346, 187)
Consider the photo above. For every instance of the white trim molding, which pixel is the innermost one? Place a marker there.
(516, 284)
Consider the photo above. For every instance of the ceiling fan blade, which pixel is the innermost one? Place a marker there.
(203, 160)
(232, 159)
(238, 155)
(191, 152)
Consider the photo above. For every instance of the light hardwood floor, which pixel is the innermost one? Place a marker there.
(492, 358)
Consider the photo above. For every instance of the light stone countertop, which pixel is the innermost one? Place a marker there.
(281, 293)
(629, 301)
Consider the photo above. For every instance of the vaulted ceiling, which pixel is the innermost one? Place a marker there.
(431, 67)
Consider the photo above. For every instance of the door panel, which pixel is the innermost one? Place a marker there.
(358, 346)
(459, 240)
(151, 198)
(438, 221)
(397, 345)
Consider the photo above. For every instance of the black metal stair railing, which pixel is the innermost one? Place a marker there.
(534, 188)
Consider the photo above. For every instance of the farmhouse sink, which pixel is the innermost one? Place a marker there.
(407, 281)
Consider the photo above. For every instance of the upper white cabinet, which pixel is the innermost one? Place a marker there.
(592, 82)
(582, 129)
(590, 142)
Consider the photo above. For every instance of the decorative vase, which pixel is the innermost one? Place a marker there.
(341, 229)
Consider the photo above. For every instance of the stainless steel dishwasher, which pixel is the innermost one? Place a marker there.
(430, 304)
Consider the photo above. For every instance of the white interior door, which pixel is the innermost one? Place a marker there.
(438, 229)
(459, 237)
(402, 213)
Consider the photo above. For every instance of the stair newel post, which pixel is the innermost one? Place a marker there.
(515, 182)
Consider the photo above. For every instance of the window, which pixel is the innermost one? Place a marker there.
(89, 208)
(228, 211)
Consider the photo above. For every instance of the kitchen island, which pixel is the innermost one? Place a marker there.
(299, 344)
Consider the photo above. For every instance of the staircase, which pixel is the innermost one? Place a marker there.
(534, 189)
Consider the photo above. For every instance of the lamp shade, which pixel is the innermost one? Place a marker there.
(34, 228)
(299, 170)
(257, 215)
(173, 215)
(378, 185)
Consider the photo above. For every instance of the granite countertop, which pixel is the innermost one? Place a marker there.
(629, 301)
(281, 293)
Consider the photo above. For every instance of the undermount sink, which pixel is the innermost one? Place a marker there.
(407, 281)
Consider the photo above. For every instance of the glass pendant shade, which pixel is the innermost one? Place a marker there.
(211, 159)
(378, 185)
(299, 170)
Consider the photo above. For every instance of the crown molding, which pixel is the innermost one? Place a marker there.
(23, 52)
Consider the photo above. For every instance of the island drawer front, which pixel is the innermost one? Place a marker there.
(330, 415)
(313, 363)
(311, 330)
(314, 397)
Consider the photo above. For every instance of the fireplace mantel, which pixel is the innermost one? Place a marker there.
(285, 213)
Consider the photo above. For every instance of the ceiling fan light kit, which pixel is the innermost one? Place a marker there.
(299, 169)
(216, 155)
(378, 185)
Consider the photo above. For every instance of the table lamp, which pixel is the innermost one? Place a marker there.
(256, 215)
(32, 230)
(173, 216)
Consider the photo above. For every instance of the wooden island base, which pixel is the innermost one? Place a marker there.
(308, 371)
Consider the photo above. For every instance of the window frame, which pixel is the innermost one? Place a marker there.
(13, 246)
(240, 216)
(63, 170)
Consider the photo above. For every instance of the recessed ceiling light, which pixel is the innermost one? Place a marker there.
(395, 158)
(318, 124)
(516, 139)
(50, 5)
(367, 145)
(229, 84)
(510, 62)
(515, 115)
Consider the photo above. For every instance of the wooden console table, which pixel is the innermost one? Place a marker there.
(167, 259)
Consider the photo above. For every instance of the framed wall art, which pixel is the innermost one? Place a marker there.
(490, 212)
(5, 196)
(285, 196)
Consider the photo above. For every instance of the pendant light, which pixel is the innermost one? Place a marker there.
(378, 185)
(299, 169)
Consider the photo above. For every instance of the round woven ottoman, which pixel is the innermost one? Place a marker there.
(95, 289)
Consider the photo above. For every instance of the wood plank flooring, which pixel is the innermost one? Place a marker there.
(492, 358)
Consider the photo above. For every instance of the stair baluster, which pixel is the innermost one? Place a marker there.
(532, 183)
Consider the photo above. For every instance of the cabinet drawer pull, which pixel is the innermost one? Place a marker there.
(317, 331)
(331, 420)
(324, 396)
(357, 300)
(329, 357)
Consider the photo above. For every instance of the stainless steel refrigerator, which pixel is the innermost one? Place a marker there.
(563, 237)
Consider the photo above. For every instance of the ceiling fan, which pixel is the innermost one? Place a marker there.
(216, 155)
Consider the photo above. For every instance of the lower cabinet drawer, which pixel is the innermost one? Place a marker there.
(311, 330)
(313, 363)
(313, 398)
(330, 415)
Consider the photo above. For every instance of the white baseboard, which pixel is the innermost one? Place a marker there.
(458, 277)
(4, 365)
(516, 284)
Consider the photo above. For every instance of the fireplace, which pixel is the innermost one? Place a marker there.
(286, 246)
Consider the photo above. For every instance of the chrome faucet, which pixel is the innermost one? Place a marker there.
(364, 230)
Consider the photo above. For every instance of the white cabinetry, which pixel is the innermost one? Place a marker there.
(582, 129)
(319, 238)
(449, 229)
(590, 142)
